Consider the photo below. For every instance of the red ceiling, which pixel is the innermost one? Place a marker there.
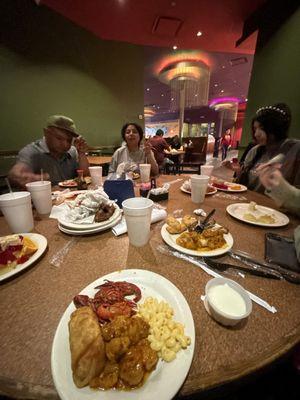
(175, 22)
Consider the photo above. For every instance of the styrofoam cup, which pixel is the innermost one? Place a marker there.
(137, 212)
(17, 211)
(198, 187)
(41, 196)
(96, 175)
(145, 170)
(207, 170)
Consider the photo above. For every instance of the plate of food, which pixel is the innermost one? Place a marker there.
(213, 241)
(91, 209)
(90, 352)
(69, 183)
(257, 215)
(186, 188)
(19, 251)
(229, 186)
(89, 231)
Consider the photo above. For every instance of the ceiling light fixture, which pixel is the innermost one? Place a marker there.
(199, 33)
(148, 89)
(215, 85)
(174, 47)
(222, 91)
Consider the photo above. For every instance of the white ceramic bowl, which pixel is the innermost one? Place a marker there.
(227, 313)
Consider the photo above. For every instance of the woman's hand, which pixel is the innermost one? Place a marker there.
(233, 166)
(269, 175)
(147, 147)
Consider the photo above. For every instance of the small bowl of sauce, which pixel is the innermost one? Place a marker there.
(227, 301)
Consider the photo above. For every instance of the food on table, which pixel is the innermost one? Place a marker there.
(15, 249)
(69, 183)
(227, 300)
(209, 239)
(235, 187)
(220, 185)
(110, 300)
(86, 346)
(254, 214)
(209, 189)
(92, 203)
(175, 226)
(110, 350)
(105, 212)
(166, 335)
(129, 357)
(187, 185)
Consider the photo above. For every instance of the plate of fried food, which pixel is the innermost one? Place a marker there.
(131, 330)
(19, 251)
(257, 215)
(228, 186)
(182, 235)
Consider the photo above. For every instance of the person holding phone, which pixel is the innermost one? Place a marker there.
(135, 149)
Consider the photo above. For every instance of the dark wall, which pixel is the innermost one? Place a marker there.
(48, 66)
(275, 74)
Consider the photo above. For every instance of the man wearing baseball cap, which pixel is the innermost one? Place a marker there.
(59, 154)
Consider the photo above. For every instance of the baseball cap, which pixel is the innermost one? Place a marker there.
(62, 122)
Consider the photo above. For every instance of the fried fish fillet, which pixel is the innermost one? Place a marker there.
(87, 346)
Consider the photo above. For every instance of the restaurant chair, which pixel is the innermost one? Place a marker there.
(191, 162)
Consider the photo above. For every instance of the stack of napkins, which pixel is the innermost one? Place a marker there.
(157, 215)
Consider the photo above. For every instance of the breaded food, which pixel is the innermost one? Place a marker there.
(209, 239)
(86, 345)
(175, 226)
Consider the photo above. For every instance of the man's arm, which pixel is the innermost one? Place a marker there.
(21, 173)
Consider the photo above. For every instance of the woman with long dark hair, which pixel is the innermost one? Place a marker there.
(271, 125)
(133, 149)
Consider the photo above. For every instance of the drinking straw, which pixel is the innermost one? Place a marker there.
(42, 175)
(9, 187)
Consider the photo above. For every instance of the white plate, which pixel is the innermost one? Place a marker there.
(171, 241)
(242, 189)
(165, 381)
(206, 194)
(79, 232)
(94, 225)
(237, 210)
(41, 242)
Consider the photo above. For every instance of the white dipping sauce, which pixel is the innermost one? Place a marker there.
(227, 300)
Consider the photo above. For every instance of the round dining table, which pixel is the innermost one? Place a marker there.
(33, 301)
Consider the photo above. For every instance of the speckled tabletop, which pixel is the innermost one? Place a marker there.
(32, 303)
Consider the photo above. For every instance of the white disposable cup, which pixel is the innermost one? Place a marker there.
(41, 196)
(198, 187)
(17, 211)
(207, 170)
(137, 212)
(145, 172)
(96, 175)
